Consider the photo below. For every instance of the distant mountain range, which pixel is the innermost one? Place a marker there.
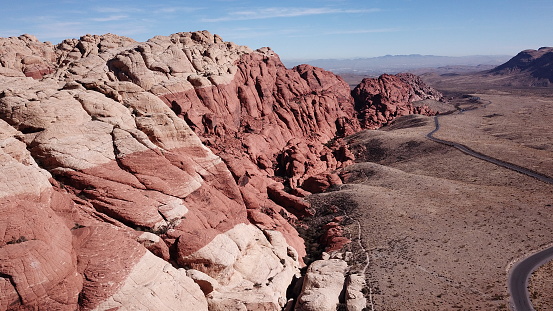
(401, 63)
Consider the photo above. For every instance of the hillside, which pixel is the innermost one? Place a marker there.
(439, 229)
(529, 67)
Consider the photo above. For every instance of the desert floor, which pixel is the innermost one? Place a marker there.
(441, 228)
(541, 287)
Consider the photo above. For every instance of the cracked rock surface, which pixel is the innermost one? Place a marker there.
(93, 159)
(136, 174)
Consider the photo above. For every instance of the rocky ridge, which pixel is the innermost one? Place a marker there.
(142, 174)
(528, 68)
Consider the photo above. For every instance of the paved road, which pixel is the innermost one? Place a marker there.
(520, 272)
(518, 279)
(484, 157)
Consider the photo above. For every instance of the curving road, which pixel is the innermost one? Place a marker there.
(520, 272)
(519, 275)
(484, 157)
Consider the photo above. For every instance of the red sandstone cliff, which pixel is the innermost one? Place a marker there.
(141, 175)
(104, 157)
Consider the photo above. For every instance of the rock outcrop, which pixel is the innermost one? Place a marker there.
(355, 299)
(168, 173)
(381, 100)
(99, 173)
(322, 286)
(528, 68)
(333, 237)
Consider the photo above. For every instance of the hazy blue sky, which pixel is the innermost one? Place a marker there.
(302, 29)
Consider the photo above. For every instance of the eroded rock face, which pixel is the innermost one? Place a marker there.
(37, 260)
(120, 157)
(26, 55)
(99, 169)
(381, 100)
(51, 126)
(125, 275)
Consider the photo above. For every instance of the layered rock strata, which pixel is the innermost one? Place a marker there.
(149, 175)
(97, 169)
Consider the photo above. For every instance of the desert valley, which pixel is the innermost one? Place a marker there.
(191, 173)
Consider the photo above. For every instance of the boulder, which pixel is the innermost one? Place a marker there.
(333, 237)
(295, 205)
(322, 286)
(321, 182)
(355, 299)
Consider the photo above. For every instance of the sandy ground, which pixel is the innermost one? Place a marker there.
(541, 288)
(441, 227)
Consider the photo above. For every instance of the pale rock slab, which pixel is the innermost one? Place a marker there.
(206, 283)
(153, 284)
(355, 299)
(20, 172)
(251, 267)
(322, 286)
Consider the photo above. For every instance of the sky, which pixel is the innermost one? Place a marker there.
(302, 29)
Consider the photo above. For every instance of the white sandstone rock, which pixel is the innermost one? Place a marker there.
(322, 286)
(153, 284)
(355, 299)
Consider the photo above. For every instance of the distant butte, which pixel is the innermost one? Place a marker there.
(529, 68)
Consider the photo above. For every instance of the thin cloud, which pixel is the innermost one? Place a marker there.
(4, 33)
(117, 9)
(361, 31)
(109, 18)
(243, 33)
(284, 12)
(168, 10)
(60, 30)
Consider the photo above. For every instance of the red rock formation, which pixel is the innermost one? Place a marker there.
(265, 107)
(321, 182)
(300, 160)
(111, 119)
(380, 100)
(105, 162)
(333, 237)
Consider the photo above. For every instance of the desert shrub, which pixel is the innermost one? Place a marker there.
(21, 239)
(77, 226)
